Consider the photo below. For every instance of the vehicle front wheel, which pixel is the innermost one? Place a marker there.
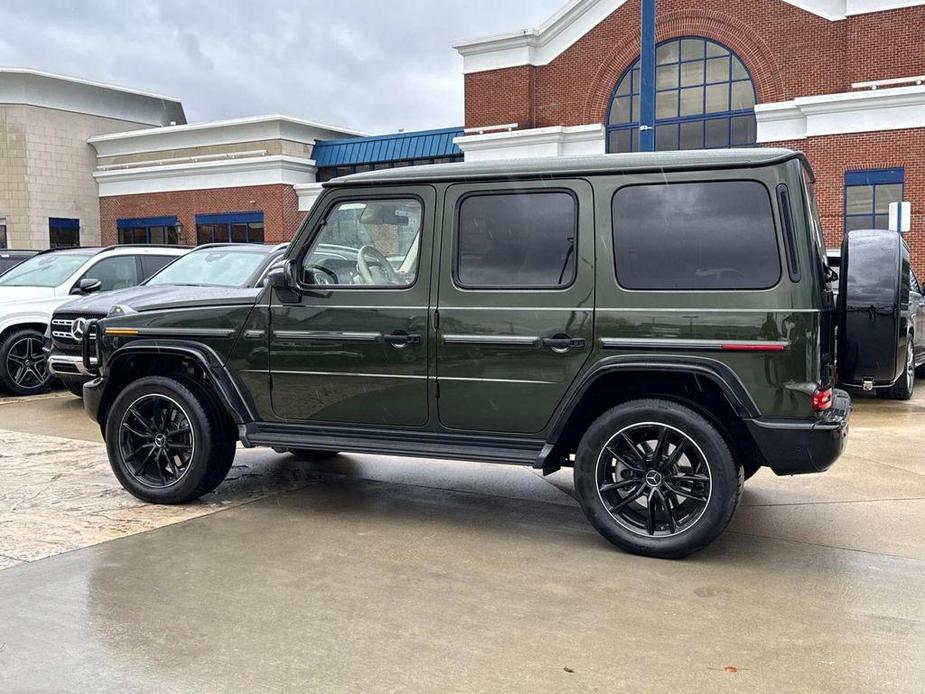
(167, 442)
(22, 363)
(656, 478)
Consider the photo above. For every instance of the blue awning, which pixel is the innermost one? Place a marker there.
(874, 177)
(63, 223)
(230, 218)
(137, 222)
(424, 144)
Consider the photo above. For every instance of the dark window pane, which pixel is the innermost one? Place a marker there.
(239, 233)
(718, 70)
(743, 96)
(666, 77)
(691, 74)
(255, 232)
(620, 141)
(692, 135)
(204, 233)
(343, 171)
(173, 237)
(743, 130)
(667, 53)
(882, 221)
(635, 107)
(150, 264)
(692, 101)
(325, 173)
(119, 272)
(692, 48)
(716, 133)
(620, 113)
(695, 236)
(634, 139)
(717, 98)
(517, 240)
(666, 137)
(859, 222)
(2, 235)
(666, 105)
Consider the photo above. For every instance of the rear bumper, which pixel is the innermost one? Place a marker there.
(795, 448)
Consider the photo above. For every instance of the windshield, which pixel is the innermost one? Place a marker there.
(43, 270)
(220, 267)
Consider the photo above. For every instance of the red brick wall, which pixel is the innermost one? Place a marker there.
(279, 204)
(831, 156)
(789, 52)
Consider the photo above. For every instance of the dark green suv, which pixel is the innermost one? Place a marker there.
(660, 322)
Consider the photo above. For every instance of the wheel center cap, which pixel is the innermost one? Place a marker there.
(653, 478)
(160, 440)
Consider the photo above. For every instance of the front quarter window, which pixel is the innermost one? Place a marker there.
(372, 243)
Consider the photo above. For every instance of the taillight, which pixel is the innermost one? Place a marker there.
(822, 399)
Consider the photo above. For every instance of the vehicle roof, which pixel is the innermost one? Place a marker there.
(579, 166)
(267, 248)
(143, 248)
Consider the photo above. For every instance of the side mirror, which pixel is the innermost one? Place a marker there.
(87, 286)
(283, 280)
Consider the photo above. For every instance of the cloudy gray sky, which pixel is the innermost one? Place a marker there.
(374, 66)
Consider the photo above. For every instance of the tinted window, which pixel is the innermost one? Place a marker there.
(150, 264)
(524, 240)
(118, 272)
(717, 235)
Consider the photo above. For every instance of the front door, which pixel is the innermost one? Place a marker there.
(515, 304)
(353, 349)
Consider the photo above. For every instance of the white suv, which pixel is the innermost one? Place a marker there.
(31, 291)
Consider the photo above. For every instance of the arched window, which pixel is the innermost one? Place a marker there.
(704, 98)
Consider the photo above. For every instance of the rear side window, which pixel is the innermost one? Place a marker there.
(150, 264)
(695, 236)
(517, 240)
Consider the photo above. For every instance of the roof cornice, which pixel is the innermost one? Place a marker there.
(544, 44)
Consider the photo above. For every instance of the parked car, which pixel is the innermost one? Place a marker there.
(32, 290)
(212, 272)
(10, 259)
(661, 323)
(888, 365)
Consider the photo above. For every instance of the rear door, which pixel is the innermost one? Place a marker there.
(516, 302)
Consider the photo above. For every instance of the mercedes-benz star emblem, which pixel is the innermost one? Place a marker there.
(79, 328)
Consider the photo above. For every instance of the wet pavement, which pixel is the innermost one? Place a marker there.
(367, 573)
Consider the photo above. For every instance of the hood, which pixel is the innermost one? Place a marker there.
(159, 297)
(20, 294)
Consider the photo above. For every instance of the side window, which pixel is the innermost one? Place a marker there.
(117, 272)
(516, 240)
(695, 236)
(916, 287)
(150, 264)
(367, 243)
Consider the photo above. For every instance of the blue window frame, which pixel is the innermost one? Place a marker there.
(161, 230)
(230, 227)
(704, 98)
(63, 232)
(868, 195)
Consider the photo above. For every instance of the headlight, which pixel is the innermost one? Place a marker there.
(120, 310)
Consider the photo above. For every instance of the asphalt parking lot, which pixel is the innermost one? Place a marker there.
(368, 573)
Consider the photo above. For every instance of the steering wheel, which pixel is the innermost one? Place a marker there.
(322, 275)
(381, 261)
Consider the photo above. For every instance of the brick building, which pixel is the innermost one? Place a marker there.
(842, 80)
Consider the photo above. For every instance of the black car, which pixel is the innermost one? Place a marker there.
(210, 271)
(10, 259)
(912, 321)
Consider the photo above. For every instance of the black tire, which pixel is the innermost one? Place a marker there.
(905, 384)
(74, 387)
(22, 363)
(312, 454)
(200, 440)
(702, 469)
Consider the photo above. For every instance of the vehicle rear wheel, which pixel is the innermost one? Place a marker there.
(75, 387)
(656, 478)
(22, 363)
(167, 441)
(311, 453)
(905, 384)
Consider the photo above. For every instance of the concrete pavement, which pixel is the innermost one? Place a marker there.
(367, 573)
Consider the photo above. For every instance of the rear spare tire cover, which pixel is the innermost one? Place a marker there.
(873, 286)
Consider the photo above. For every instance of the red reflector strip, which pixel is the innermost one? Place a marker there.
(752, 347)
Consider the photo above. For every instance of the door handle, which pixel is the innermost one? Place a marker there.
(563, 343)
(401, 339)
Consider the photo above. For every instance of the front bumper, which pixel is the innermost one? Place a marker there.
(70, 366)
(93, 396)
(796, 448)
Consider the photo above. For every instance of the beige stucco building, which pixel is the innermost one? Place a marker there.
(48, 195)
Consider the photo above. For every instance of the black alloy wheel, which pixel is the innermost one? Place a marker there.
(23, 370)
(653, 479)
(156, 440)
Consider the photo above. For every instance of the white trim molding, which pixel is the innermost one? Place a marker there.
(228, 173)
(552, 141)
(27, 87)
(308, 193)
(836, 114)
(542, 45)
(223, 132)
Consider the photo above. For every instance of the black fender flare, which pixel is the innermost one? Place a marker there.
(717, 372)
(234, 399)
